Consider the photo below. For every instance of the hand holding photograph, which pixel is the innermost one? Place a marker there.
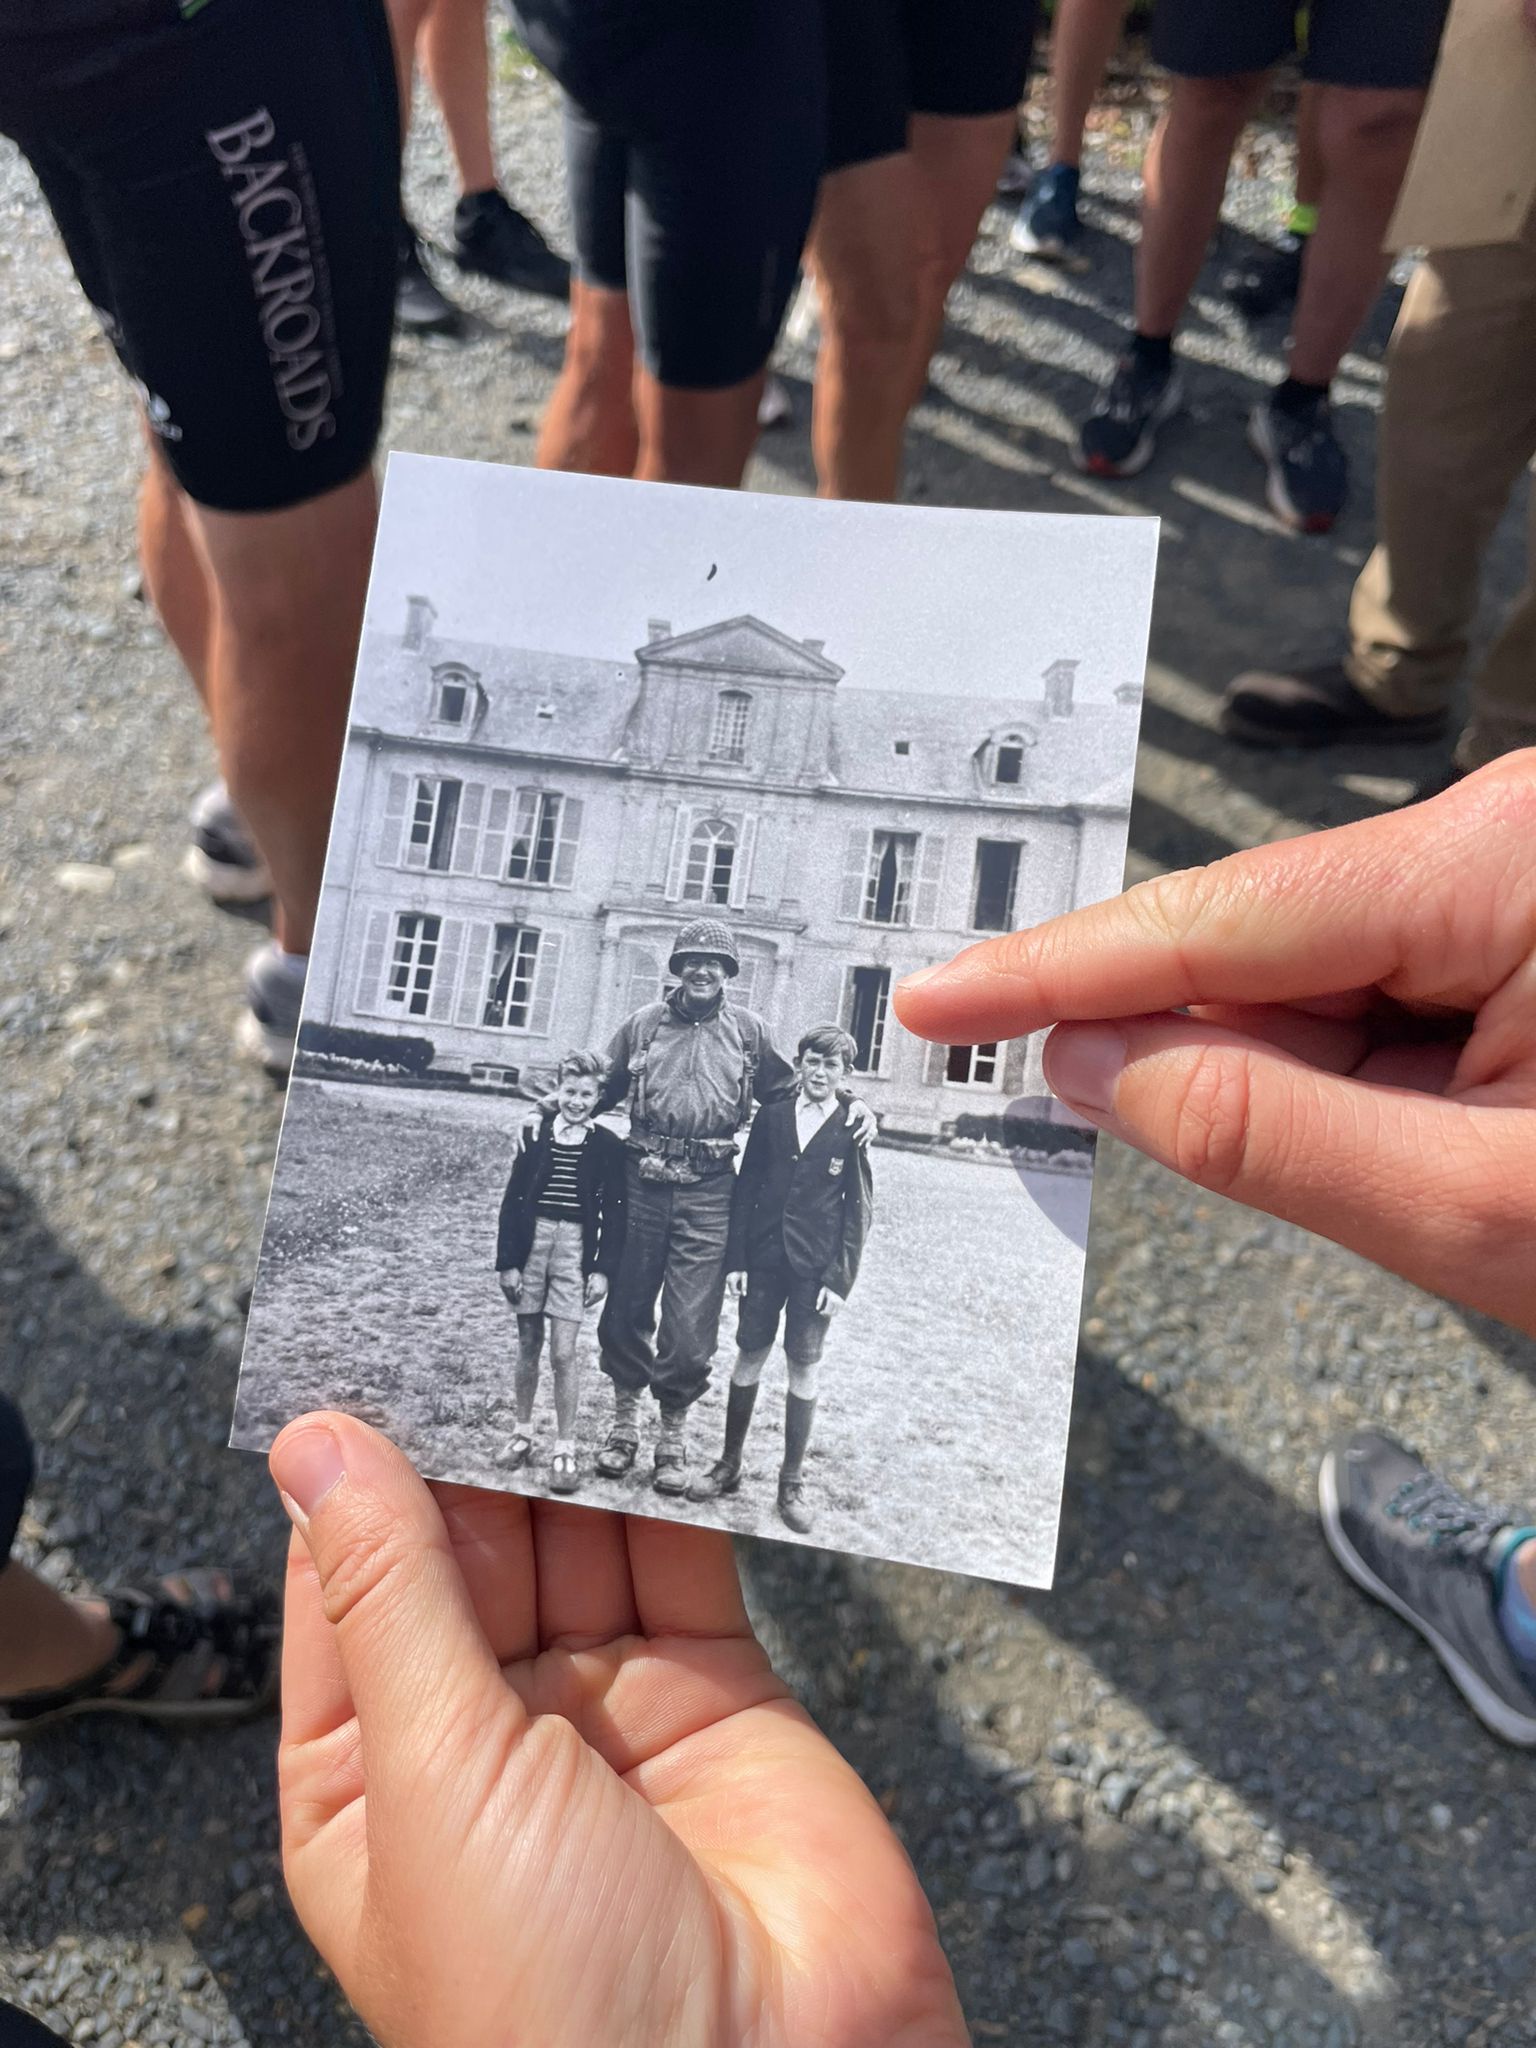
(607, 1170)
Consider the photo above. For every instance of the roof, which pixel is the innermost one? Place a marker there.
(590, 699)
(1086, 757)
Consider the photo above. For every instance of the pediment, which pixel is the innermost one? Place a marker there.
(744, 646)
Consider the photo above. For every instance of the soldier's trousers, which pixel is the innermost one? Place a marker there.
(674, 1257)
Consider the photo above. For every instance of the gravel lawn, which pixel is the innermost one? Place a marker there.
(945, 1386)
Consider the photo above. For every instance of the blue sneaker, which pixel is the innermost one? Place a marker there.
(1307, 472)
(1047, 222)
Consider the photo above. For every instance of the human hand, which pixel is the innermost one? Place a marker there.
(540, 1784)
(1357, 1049)
(861, 1121)
(735, 1286)
(596, 1289)
(511, 1283)
(828, 1302)
(532, 1117)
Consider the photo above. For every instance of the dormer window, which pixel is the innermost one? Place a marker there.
(452, 696)
(728, 740)
(1008, 766)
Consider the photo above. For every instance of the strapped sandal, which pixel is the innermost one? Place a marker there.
(670, 1471)
(515, 1452)
(618, 1454)
(192, 1649)
(564, 1473)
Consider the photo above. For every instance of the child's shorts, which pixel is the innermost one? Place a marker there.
(553, 1283)
(773, 1291)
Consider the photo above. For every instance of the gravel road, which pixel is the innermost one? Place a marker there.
(1201, 1792)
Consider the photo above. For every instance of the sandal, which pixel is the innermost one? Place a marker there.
(515, 1452)
(618, 1454)
(564, 1473)
(192, 1649)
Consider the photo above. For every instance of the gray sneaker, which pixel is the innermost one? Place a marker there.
(222, 859)
(1414, 1543)
(274, 992)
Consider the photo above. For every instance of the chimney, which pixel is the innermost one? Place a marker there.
(658, 629)
(1059, 678)
(814, 646)
(1127, 693)
(420, 618)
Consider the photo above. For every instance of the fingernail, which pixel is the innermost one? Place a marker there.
(306, 1466)
(1082, 1064)
(923, 974)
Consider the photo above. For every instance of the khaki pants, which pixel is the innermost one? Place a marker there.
(1458, 428)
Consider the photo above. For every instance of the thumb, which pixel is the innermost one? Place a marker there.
(414, 1656)
(1436, 1190)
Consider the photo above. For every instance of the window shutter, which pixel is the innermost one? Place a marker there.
(845, 1000)
(392, 832)
(1014, 1065)
(565, 847)
(855, 872)
(546, 982)
(493, 841)
(741, 867)
(677, 865)
(416, 856)
(470, 1008)
(525, 826)
(934, 1065)
(640, 971)
(744, 987)
(466, 839)
(370, 978)
(930, 876)
(445, 972)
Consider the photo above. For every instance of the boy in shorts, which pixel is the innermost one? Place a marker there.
(557, 1246)
(799, 1216)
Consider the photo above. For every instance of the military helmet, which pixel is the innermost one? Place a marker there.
(705, 935)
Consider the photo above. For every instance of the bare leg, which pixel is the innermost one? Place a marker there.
(589, 423)
(1364, 138)
(525, 1384)
(1185, 178)
(47, 1640)
(454, 57)
(1309, 155)
(405, 25)
(696, 437)
(286, 594)
(957, 162)
(1082, 44)
(174, 576)
(868, 263)
(562, 1357)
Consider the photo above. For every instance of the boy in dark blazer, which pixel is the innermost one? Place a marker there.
(799, 1216)
(557, 1246)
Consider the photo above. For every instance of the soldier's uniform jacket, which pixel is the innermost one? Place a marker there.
(692, 1082)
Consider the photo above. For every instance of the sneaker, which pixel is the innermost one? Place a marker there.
(1013, 179)
(222, 859)
(793, 1511)
(274, 994)
(420, 308)
(775, 408)
(493, 239)
(1047, 223)
(722, 1477)
(1414, 1543)
(1308, 478)
(1120, 436)
(1267, 281)
(1315, 707)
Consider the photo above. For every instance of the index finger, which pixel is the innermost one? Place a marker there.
(1431, 904)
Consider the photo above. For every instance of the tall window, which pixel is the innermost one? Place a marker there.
(976, 1065)
(535, 836)
(711, 862)
(413, 961)
(888, 884)
(728, 740)
(509, 992)
(434, 816)
(452, 700)
(869, 996)
(997, 879)
(1009, 765)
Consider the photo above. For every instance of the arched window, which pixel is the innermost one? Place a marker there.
(728, 741)
(1008, 759)
(452, 692)
(711, 862)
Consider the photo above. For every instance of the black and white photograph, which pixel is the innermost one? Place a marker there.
(607, 1170)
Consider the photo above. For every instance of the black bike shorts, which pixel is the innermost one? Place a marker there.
(15, 1474)
(1385, 44)
(694, 145)
(227, 188)
(890, 59)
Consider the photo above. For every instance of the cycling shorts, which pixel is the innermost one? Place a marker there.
(227, 187)
(1385, 44)
(890, 59)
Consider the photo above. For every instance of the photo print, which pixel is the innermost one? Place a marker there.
(607, 1171)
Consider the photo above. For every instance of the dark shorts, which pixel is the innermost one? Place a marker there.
(774, 1291)
(890, 59)
(227, 189)
(15, 1473)
(1386, 44)
(694, 148)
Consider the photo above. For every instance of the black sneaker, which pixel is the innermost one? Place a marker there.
(1315, 707)
(1267, 281)
(420, 308)
(1423, 1549)
(1308, 477)
(492, 238)
(1119, 437)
